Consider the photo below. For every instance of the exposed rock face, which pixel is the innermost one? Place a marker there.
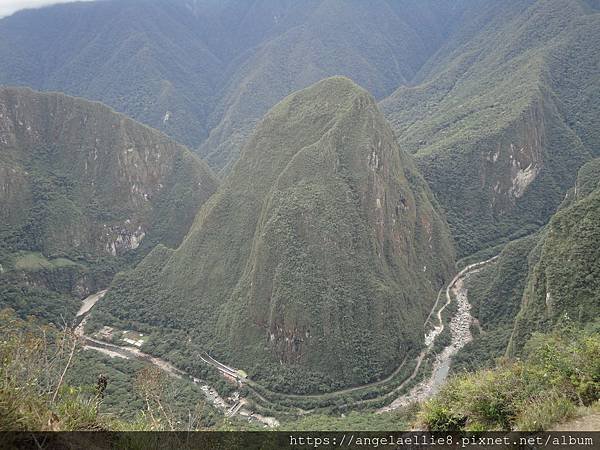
(323, 250)
(76, 177)
(516, 162)
(120, 240)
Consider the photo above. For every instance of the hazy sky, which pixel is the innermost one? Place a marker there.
(8, 7)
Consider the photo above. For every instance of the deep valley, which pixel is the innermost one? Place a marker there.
(311, 215)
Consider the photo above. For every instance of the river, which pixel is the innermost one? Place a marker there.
(460, 332)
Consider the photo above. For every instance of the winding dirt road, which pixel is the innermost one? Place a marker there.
(127, 352)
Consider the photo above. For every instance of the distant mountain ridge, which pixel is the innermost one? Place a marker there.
(192, 67)
(379, 45)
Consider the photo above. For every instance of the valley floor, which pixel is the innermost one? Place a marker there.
(460, 335)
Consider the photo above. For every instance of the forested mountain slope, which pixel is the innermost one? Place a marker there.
(141, 58)
(82, 183)
(540, 280)
(317, 259)
(505, 115)
(162, 63)
(566, 278)
(188, 66)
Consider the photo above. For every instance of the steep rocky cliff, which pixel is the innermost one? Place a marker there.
(78, 177)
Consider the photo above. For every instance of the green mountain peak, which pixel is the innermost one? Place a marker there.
(323, 250)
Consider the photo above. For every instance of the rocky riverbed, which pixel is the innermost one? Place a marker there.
(460, 331)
